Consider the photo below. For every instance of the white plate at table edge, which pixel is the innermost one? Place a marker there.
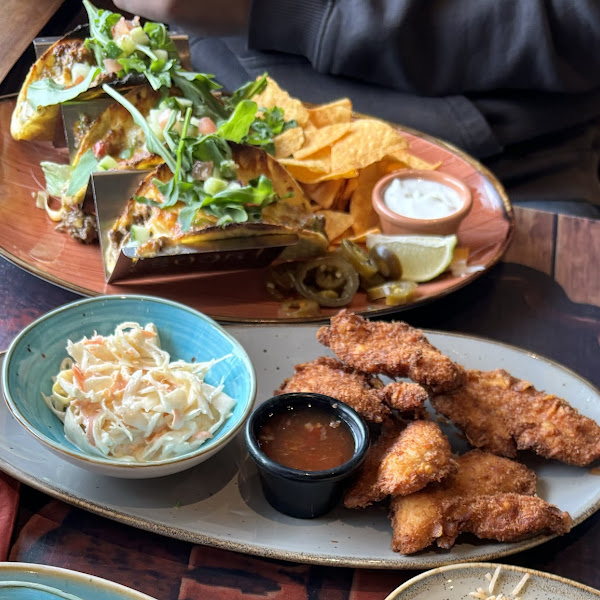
(249, 525)
(67, 581)
(457, 581)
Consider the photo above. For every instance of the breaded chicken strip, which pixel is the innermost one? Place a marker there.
(405, 397)
(419, 520)
(394, 349)
(365, 393)
(502, 414)
(403, 460)
(502, 517)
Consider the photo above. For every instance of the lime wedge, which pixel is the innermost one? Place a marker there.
(422, 257)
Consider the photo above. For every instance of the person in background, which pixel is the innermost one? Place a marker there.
(515, 83)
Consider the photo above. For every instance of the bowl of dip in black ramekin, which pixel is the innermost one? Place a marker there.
(304, 476)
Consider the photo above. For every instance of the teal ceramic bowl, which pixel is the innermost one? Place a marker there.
(35, 355)
(28, 581)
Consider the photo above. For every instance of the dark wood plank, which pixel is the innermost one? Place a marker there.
(23, 20)
(533, 241)
(577, 267)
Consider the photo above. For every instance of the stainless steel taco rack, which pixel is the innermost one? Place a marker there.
(71, 111)
(181, 41)
(110, 191)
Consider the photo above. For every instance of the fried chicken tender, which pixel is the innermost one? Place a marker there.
(394, 349)
(405, 397)
(503, 517)
(488, 495)
(403, 460)
(365, 393)
(502, 414)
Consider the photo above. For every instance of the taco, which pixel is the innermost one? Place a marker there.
(259, 197)
(67, 63)
(115, 135)
(112, 141)
(115, 49)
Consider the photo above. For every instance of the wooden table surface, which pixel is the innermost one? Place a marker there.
(544, 297)
(21, 22)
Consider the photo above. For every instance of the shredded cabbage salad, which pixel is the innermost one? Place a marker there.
(120, 396)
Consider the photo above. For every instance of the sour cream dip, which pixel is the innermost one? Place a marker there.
(418, 198)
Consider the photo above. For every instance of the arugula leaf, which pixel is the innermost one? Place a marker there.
(232, 205)
(231, 213)
(153, 143)
(157, 81)
(170, 141)
(80, 175)
(213, 148)
(101, 23)
(159, 36)
(46, 92)
(238, 124)
(247, 91)
(257, 194)
(144, 59)
(198, 87)
(57, 177)
(170, 190)
(132, 63)
(186, 216)
(112, 50)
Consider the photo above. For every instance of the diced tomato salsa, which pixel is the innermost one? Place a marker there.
(308, 439)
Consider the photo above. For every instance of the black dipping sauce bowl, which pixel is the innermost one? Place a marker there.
(305, 494)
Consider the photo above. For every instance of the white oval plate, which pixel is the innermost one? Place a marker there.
(456, 582)
(29, 581)
(220, 503)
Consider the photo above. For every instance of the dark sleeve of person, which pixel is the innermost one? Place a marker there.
(440, 46)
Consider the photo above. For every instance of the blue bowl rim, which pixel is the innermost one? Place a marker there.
(98, 460)
(356, 423)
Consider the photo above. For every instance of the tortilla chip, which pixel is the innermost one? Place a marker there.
(338, 160)
(361, 238)
(273, 95)
(361, 207)
(336, 223)
(288, 142)
(339, 111)
(342, 200)
(367, 142)
(307, 171)
(312, 169)
(410, 160)
(321, 138)
(324, 194)
(339, 175)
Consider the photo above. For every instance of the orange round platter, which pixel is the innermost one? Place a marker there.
(29, 239)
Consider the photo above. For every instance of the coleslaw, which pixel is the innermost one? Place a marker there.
(120, 396)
